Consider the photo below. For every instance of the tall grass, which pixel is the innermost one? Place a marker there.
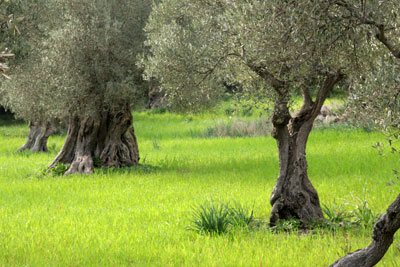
(138, 216)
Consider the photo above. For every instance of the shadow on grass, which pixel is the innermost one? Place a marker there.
(22, 153)
(60, 169)
(52, 151)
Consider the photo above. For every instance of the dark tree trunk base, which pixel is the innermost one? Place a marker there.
(293, 196)
(107, 140)
(39, 133)
(382, 236)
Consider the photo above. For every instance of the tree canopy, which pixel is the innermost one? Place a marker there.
(376, 91)
(195, 45)
(24, 95)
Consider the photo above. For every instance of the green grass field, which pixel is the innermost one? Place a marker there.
(139, 216)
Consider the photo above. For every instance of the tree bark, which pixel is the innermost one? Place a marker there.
(39, 133)
(104, 140)
(293, 196)
(382, 236)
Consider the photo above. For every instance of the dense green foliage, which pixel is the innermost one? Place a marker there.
(79, 58)
(94, 54)
(195, 46)
(25, 94)
(376, 92)
(140, 215)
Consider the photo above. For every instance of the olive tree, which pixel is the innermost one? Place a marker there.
(278, 48)
(91, 62)
(23, 94)
(377, 97)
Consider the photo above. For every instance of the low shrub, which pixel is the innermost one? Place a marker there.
(59, 170)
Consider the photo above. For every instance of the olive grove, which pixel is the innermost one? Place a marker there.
(84, 63)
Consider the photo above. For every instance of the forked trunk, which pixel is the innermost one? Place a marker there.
(384, 230)
(293, 195)
(105, 140)
(39, 133)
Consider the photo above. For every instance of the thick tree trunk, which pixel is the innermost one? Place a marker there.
(382, 236)
(293, 195)
(105, 140)
(39, 133)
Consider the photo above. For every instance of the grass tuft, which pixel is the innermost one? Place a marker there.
(241, 216)
(216, 219)
(336, 213)
(211, 218)
(363, 215)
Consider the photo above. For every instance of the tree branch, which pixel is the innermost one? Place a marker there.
(4, 67)
(330, 81)
(207, 73)
(279, 86)
(382, 236)
(382, 38)
(380, 28)
(306, 93)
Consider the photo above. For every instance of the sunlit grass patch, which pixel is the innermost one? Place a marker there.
(139, 215)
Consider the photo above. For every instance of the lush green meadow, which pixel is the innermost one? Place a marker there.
(139, 216)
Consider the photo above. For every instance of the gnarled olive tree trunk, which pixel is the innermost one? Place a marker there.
(39, 133)
(293, 195)
(384, 230)
(104, 140)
